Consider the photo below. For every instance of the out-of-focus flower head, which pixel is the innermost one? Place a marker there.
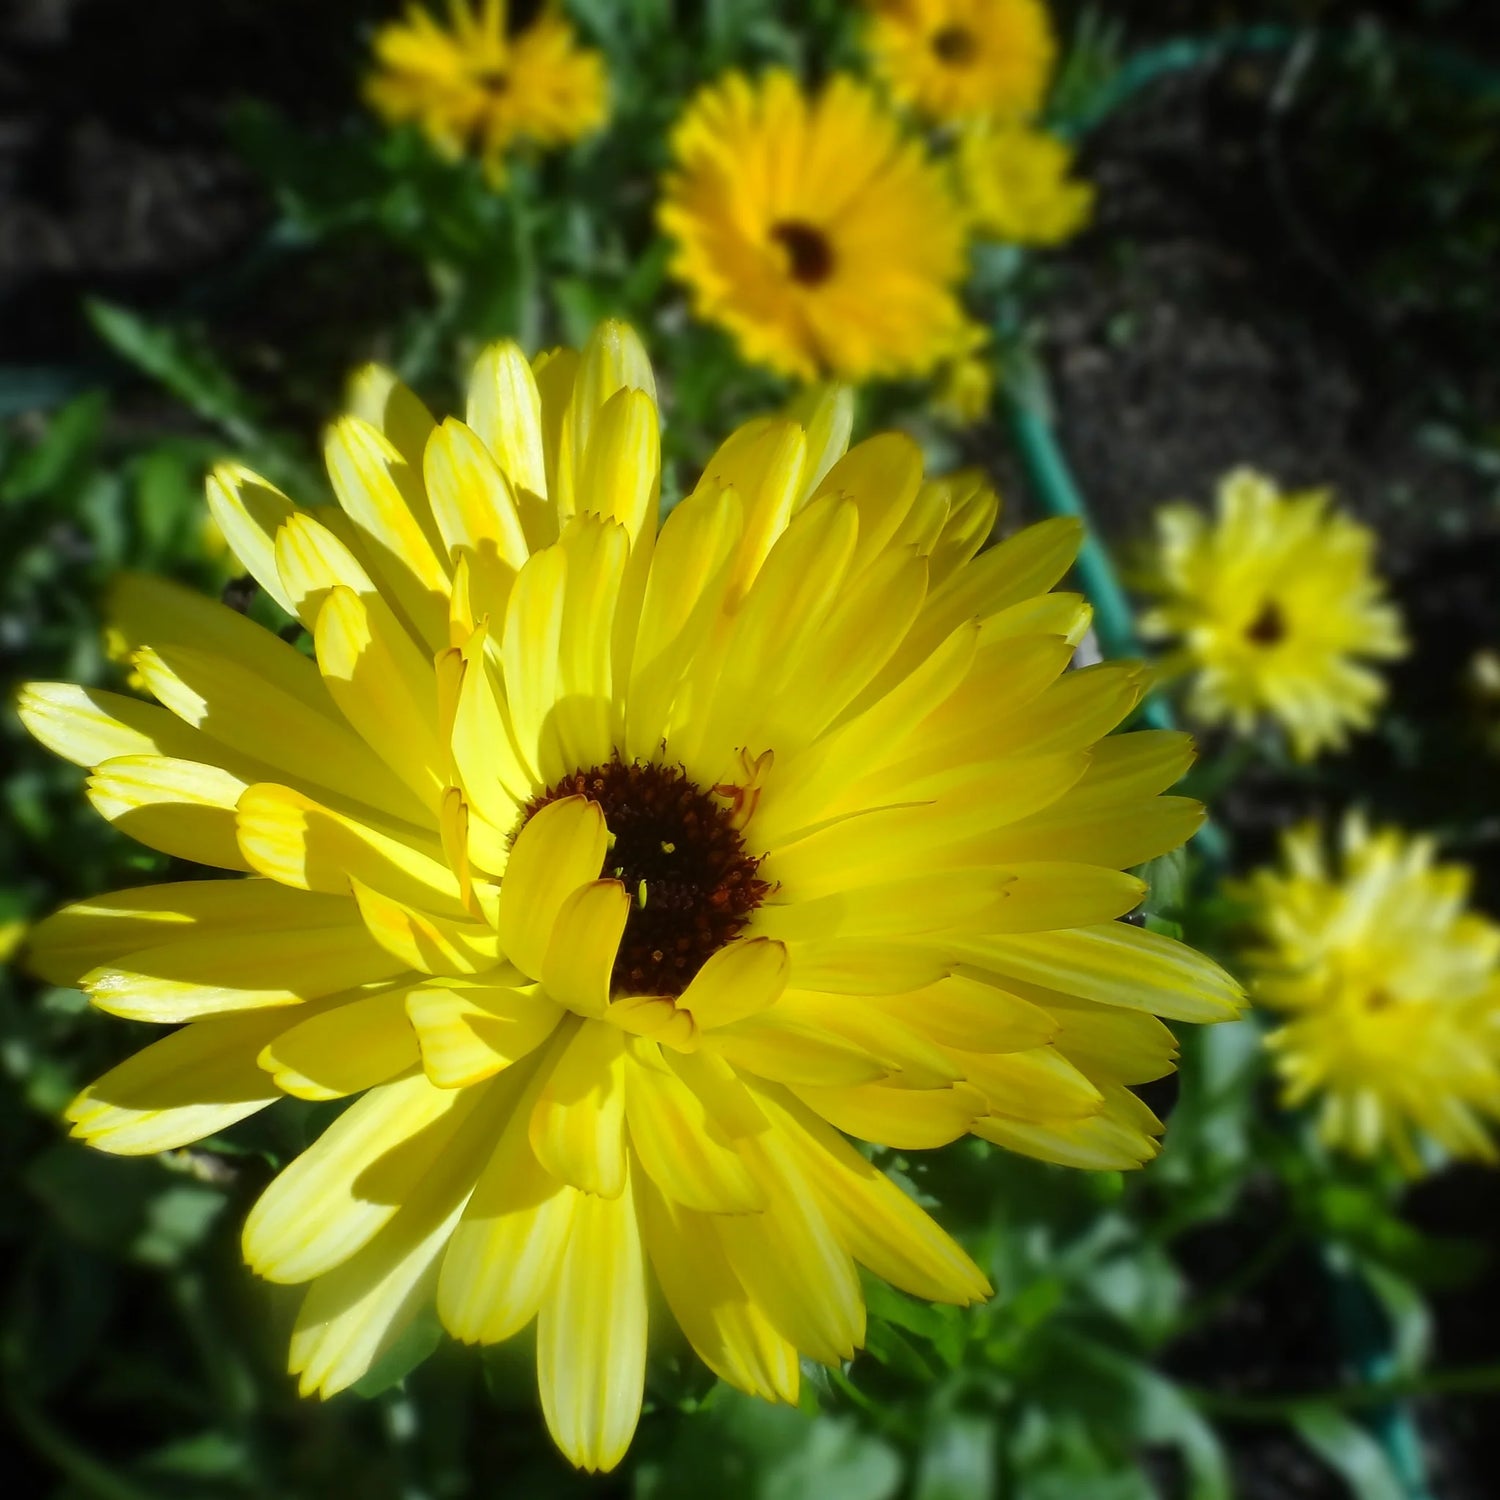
(623, 870)
(960, 60)
(813, 229)
(1276, 609)
(473, 85)
(1015, 182)
(1390, 989)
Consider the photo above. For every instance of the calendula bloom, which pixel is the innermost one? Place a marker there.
(820, 236)
(473, 85)
(623, 874)
(1277, 610)
(962, 60)
(1391, 989)
(1017, 186)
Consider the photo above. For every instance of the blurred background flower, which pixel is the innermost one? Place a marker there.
(1388, 989)
(480, 84)
(1276, 612)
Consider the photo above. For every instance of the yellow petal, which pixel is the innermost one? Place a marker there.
(912, 1058)
(792, 1264)
(741, 979)
(429, 944)
(468, 1032)
(907, 1119)
(154, 612)
(81, 936)
(385, 688)
(244, 967)
(334, 1198)
(584, 715)
(1037, 1085)
(191, 1084)
(560, 848)
(248, 716)
(879, 1225)
(249, 511)
(689, 572)
(495, 780)
(787, 1050)
(585, 939)
(529, 659)
(311, 561)
(377, 490)
(881, 476)
(764, 464)
(967, 1013)
(504, 1253)
(686, 1151)
(1119, 1138)
(1115, 964)
(578, 1122)
(728, 1332)
(620, 478)
(393, 409)
(299, 842)
(505, 411)
(866, 966)
(591, 1334)
(343, 1051)
(89, 726)
(178, 806)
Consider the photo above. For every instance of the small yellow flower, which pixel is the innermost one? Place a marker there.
(815, 232)
(1276, 607)
(957, 60)
(623, 871)
(472, 85)
(1392, 990)
(1015, 183)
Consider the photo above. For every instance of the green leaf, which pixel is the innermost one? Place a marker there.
(1349, 1451)
(57, 463)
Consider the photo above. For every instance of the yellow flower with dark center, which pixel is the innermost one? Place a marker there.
(1016, 185)
(623, 873)
(1277, 610)
(813, 230)
(474, 86)
(961, 60)
(1391, 989)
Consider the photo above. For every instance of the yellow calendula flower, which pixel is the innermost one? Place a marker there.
(957, 60)
(473, 85)
(1016, 185)
(1277, 609)
(820, 236)
(623, 874)
(1391, 989)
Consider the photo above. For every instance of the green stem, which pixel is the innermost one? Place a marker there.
(1480, 1380)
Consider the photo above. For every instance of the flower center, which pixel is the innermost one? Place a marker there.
(1268, 628)
(955, 45)
(675, 848)
(809, 256)
(493, 79)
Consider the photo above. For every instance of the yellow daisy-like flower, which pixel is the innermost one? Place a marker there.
(957, 60)
(1277, 608)
(1016, 184)
(623, 874)
(473, 86)
(1392, 990)
(819, 235)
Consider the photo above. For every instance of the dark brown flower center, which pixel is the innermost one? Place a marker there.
(494, 80)
(955, 45)
(809, 256)
(692, 882)
(1268, 628)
